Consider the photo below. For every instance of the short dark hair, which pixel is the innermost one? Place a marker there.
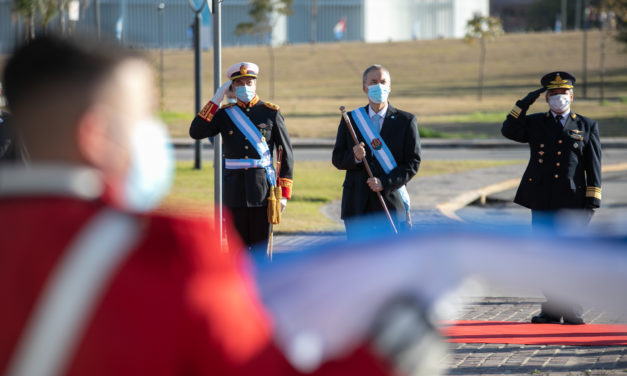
(52, 60)
(374, 67)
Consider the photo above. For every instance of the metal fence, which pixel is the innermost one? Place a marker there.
(140, 23)
(313, 20)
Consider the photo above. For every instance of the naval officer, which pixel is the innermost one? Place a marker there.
(564, 169)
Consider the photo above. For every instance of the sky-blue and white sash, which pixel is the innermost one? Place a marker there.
(243, 123)
(378, 148)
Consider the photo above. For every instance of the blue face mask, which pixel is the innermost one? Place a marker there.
(245, 93)
(152, 166)
(378, 93)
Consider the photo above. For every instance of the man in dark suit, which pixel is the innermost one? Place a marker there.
(248, 172)
(564, 169)
(393, 152)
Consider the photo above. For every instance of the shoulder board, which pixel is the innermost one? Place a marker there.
(271, 106)
(228, 105)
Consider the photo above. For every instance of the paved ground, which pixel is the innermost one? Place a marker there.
(429, 195)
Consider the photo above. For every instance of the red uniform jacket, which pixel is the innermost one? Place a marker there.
(177, 305)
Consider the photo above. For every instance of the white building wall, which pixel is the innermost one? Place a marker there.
(377, 19)
(402, 20)
(464, 10)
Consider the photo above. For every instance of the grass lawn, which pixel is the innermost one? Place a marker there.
(434, 79)
(316, 183)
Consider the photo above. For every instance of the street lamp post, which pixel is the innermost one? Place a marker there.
(217, 140)
(197, 75)
(160, 9)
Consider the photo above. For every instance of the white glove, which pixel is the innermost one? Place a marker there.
(219, 95)
(283, 203)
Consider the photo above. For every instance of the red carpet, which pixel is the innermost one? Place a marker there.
(535, 334)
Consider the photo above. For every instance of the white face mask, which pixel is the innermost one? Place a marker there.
(559, 103)
(151, 168)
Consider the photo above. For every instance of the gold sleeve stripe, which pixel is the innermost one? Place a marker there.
(208, 111)
(515, 112)
(594, 192)
(285, 182)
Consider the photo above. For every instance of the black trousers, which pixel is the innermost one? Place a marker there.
(252, 226)
(553, 306)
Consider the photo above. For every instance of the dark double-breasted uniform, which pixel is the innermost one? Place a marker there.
(564, 170)
(248, 188)
(400, 133)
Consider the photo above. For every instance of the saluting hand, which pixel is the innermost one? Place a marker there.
(219, 94)
(359, 151)
(531, 97)
(375, 184)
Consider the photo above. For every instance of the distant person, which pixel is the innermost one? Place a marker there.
(252, 131)
(393, 152)
(564, 169)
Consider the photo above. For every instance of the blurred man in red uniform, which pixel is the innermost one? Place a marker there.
(91, 281)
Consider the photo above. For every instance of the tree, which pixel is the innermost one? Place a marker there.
(264, 15)
(39, 13)
(482, 29)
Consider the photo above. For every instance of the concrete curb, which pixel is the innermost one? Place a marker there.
(462, 200)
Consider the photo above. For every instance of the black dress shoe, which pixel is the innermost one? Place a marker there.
(543, 318)
(573, 320)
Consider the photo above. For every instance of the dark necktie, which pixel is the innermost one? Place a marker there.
(558, 121)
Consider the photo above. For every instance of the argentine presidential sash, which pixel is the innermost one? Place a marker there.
(243, 123)
(378, 148)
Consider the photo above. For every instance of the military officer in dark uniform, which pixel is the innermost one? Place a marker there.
(564, 170)
(393, 129)
(251, 131)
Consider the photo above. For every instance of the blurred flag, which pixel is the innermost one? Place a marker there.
(339, 28)
(326, 301)
(119, 29)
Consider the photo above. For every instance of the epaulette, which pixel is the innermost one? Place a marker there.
(271, 106)
(227, 105)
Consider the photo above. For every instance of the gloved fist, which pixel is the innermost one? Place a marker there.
(530, 98)
(219, 95)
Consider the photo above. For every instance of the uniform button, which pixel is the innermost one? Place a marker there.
(541, 145)
(230, 132)
(541, 152)
(559, 153)
(246, 147)
(246, 138)
(557, 164)
(540, 160)
(556, 176)
(559, 141)
(248, 110)
(223, 155)
(530, 179)
(246, 157)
